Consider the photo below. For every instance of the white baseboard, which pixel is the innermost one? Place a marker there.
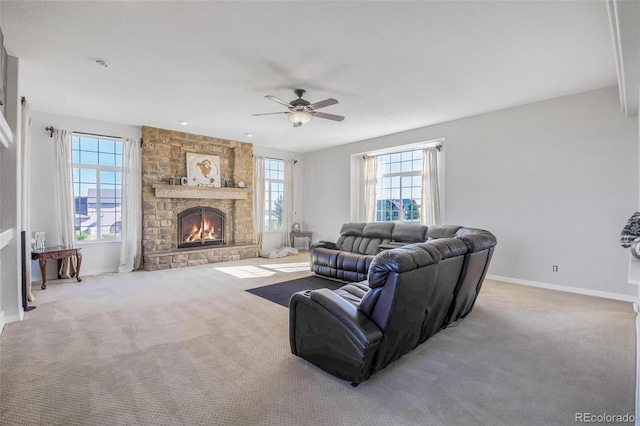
(10, 318)
(587, 292)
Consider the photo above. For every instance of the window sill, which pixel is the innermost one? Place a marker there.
(98, 243)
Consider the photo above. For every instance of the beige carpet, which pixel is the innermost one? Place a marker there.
(191, 347)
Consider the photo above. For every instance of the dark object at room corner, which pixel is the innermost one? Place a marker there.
(25, 302)
(631, 230)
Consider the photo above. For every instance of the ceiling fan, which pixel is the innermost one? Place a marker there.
(301, 111)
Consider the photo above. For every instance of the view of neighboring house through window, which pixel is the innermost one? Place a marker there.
(97, 187)
(274, 194)
(399, 187)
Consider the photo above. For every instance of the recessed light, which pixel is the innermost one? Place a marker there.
(101, 63)
(248, 135)
(184, 123)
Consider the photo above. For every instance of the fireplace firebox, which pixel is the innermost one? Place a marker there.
(200, 226)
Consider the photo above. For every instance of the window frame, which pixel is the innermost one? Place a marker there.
(269, 200)
(400, 176)
(98, 168)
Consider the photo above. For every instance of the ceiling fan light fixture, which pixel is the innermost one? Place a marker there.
(298, 118)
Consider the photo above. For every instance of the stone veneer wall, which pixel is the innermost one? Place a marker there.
(163, 157)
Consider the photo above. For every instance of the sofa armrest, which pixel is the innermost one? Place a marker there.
(324, 244)
(362, 327)
(392, 245)
(331, 333)
(338, 264)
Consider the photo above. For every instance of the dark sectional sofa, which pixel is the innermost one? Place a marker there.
(349, 258)
(409, 294)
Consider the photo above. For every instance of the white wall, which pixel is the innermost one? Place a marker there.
(10, 185)
(97, 258)
(273, 239)
(555, 181)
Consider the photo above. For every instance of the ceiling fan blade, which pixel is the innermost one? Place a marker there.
(323, 104)
(278, 100)
(270, 113)
(328, 116)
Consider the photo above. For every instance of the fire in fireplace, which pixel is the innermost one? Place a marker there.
(200, 226)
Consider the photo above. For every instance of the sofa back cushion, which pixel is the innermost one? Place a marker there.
(350, 236)
(401, 259)
(352, 229)
(442, 231)
(399, 311)
(481, 245)
(476, 239)
(364, 238)
(450, 270)
(409, 233)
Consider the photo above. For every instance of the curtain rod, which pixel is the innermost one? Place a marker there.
(51, 129)
(94, 134)
(438, 146)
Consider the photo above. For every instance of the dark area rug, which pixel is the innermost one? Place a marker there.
(280, 293)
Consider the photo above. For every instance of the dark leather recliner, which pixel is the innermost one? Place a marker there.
(411, 293)
(349, 258)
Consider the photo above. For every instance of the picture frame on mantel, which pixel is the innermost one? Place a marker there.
(203, 170)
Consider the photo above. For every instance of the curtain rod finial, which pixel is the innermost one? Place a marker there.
(50, 129)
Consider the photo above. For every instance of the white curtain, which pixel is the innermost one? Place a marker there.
(131, 210)
(258, 199)
(25, 159)
(65, 208)
(370, 185)
(288, 202)
(430, 208)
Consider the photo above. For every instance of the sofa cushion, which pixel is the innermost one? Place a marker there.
(476, 239)
(352, 228)
(369, 301)
(409, 233)
(364, 238)
(401, 260)
(442, 231)
(448, 247)
(380, 230)
(354, 292)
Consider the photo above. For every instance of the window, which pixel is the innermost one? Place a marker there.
(274, 194)
(97, 187)
(399, 186)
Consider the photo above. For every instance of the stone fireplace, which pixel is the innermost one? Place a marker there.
(194, 225)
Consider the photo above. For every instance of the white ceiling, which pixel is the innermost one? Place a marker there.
(392, 65)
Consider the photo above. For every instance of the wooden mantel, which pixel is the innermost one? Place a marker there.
(164, 190)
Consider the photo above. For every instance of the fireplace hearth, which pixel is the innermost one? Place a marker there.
(201, 226)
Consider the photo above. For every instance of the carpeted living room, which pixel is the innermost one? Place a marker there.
(319, 212)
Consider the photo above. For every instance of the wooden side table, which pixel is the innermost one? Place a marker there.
(59, 253)
(297, 234)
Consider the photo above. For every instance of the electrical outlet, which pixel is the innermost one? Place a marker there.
(555, 268)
